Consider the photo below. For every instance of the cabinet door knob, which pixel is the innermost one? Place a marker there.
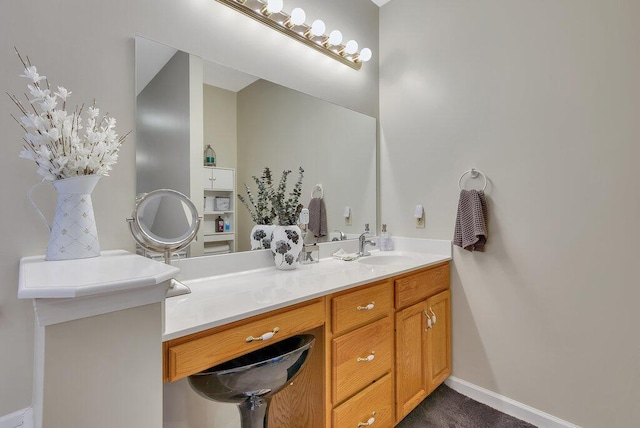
(369, 422)
(433, 316)
(368, 358)
(268, 335)
(367, 307)
(429, 322)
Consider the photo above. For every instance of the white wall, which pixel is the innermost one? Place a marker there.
(220, 125)
(544, 97)
(89, 48)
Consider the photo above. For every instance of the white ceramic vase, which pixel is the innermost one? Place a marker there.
(286, 245)
(261, 236)
(73, 233)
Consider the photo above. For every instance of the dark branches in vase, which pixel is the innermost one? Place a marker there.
(287, 205)
(259, 207)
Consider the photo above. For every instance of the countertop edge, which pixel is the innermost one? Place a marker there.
(283, 304)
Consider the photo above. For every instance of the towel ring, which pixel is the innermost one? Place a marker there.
(317, 187)
(474, 174)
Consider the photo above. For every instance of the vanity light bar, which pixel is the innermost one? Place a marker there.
(269, 12)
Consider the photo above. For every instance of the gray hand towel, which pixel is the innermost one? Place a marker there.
(471, 222)
(317, 217)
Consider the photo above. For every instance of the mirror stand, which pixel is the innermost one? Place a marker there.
(165, 221)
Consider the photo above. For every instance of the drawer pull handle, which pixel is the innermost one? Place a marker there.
(268, 335)
(368, 358)
(433, 316)
(369, 422)
(368, 307)
(429, 322)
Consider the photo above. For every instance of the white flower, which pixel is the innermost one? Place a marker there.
(49, 103)
(31, 73)
(37, 93)
(27, 154)
(53, 136)
(44, 152)
(93, 112)
(62, 93)
(30, 121)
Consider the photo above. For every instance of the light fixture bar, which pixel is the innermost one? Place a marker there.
(270, 21)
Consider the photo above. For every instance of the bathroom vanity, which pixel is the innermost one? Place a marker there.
(382, 327)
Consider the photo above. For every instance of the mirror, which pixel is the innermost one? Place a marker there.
(185, 103)
(165, 221)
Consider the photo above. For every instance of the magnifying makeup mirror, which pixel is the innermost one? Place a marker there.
(165, 221)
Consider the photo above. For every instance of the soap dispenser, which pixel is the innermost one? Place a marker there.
(385, 243)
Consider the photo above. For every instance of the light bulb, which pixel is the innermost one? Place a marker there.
(318, 27)
(335, 38)
(351, 47)
(274, 6)
(365, 55)
(297, 16)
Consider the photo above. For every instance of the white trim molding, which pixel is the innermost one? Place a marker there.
(20, 419)
(507, 405)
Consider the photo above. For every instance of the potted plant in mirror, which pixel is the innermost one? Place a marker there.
(286, 242)
(260, 209)
(72, 150)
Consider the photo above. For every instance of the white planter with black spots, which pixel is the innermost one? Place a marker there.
(286, 244)
(261, 236)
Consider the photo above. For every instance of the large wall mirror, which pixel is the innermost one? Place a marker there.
(185, 103)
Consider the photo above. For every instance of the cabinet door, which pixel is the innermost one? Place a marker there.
(222, 179)
(411, 358)
(207, 178)
(439, 340)
(217, 179)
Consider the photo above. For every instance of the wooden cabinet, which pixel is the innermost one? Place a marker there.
(362, 356)
(439, 340)
(191, 354)
(423, 338)
(372, 406)
(380, 349)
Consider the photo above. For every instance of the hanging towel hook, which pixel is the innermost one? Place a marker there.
(317, 187)
(473, 173)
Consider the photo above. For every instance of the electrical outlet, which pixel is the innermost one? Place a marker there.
(420, 222)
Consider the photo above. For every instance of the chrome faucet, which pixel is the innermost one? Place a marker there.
(362, 242)
(343, 236)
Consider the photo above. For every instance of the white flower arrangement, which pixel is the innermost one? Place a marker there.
(60, 143)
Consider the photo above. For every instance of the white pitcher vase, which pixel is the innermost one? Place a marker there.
(73, 233)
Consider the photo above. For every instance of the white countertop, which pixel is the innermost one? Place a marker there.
(114, 270)
(221, 299)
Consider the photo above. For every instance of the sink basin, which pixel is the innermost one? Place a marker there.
(380, 260)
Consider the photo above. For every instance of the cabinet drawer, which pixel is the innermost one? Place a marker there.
(374, 402)
(360, 357)
(362, 306)
(218, 179)
(419, 286)
(206, 351)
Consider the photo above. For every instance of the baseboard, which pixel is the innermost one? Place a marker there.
(20, 419)
(507, 405)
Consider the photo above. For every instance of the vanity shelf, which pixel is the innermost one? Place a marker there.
(381, 347)
(218, 183)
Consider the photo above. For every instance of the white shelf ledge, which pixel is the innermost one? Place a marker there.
(72, 289)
